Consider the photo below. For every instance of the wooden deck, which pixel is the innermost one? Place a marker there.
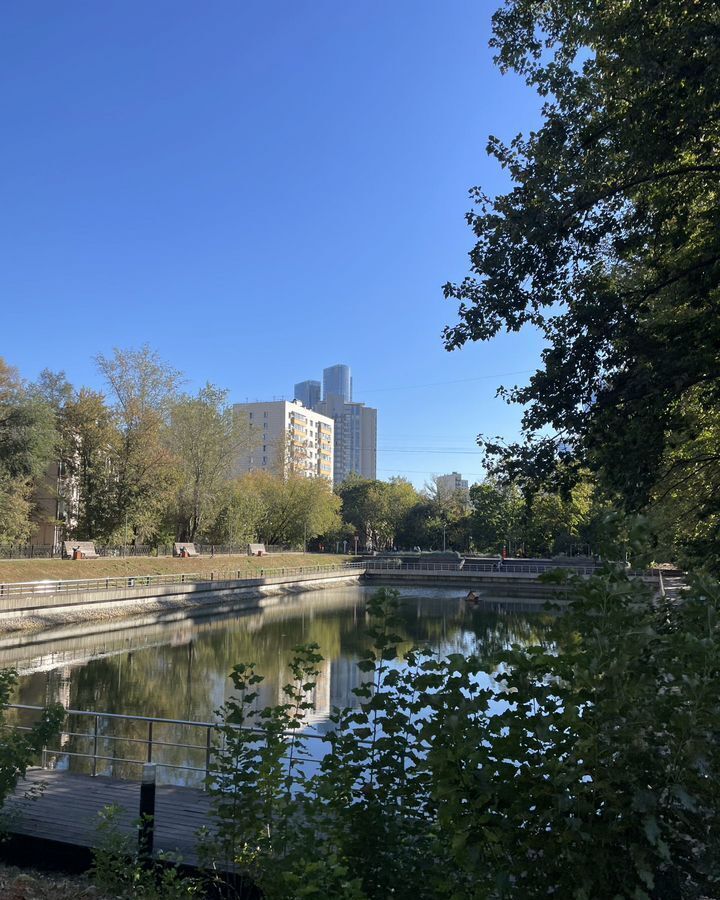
(67, 810)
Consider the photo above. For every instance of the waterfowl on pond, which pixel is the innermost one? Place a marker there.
(472, 597)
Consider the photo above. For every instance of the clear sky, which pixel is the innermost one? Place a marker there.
(259, 190)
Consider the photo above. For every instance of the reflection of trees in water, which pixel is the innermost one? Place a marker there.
(183, 674)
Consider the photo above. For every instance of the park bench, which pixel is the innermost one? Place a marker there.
(184, 550)
(79, 550)
(256, 550)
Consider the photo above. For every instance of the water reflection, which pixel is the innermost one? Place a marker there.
(179, 670)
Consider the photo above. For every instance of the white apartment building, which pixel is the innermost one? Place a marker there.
(286, 437)
(449, 485)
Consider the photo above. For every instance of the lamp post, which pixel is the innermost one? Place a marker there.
(444, 527)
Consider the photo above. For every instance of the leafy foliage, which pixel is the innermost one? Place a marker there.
(18, 749)
(205, 439)
(608, 242)
(118, 871)
(26, 445)
(586, 767)
(142, 388)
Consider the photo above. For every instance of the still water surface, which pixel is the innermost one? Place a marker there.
(180, 670)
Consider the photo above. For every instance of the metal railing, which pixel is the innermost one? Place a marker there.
(29, 589)
(119, 745)
(55, 551)
(30, 551)
(503, 568)
(458, 569)
(50, 587)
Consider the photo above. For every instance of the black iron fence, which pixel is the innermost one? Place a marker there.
(48, 551)
(30, 551)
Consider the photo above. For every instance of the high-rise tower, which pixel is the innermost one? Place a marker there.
(355, 425)
(308, 393)
(337, 382)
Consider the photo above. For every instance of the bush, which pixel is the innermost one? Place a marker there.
(18, 749)
(586, 768)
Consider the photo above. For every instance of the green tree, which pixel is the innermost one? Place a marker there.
(497, 516)
(683, 509)
(91, 443)
(239, 515)
(608, 240)
(142, 389)
(205, 439)
(27, 442)
(19, 749)
(365, 507)
(287, 510)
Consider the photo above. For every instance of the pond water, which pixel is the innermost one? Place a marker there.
(180, 670)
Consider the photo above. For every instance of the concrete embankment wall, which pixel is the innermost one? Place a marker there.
(154, 603)
(487, 584)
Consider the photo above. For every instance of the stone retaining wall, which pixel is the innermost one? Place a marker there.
(158, 602)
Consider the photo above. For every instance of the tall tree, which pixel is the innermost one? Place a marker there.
(27, 440)
(142, 389)
(205, 439)
(609, 240)
(497, 516)
(288, 510)
(365, 506)
(91, 443)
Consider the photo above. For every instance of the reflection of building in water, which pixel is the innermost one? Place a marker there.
(62, 690)
(345, 677)
(270, 691)
(320, 696)
(333, 687)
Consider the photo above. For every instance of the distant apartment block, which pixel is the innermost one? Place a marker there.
(286, 437)
(355, 433)
(449, 485)
(355, 437)
(56, 500)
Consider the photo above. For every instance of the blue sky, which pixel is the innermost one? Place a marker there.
(259, 190)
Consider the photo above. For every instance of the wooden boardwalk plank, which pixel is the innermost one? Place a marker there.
(67, 810)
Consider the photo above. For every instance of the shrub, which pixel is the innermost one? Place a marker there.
(585, 768)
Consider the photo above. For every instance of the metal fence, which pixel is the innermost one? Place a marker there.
(118, 745)
(468, 568)
(50, 551)
(30, 551)
(43, 589)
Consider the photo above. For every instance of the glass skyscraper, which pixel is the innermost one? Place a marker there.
(355, 432)
(337, 382)
(308, 393)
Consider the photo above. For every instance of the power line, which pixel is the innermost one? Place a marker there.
(428, 472)
(412, 387)
(407, 450)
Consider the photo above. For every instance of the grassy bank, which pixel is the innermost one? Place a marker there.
(40, 569)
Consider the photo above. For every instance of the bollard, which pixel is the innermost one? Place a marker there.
(146, 829)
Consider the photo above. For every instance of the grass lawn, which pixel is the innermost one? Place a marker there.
(55, 569)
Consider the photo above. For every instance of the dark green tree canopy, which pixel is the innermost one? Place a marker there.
(609, 240)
